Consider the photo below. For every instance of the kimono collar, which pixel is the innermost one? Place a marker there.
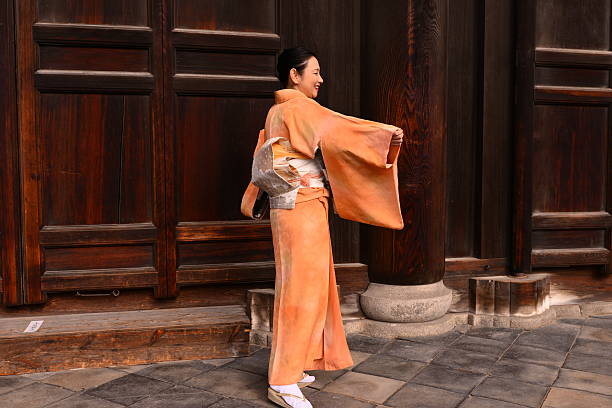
(284, 95)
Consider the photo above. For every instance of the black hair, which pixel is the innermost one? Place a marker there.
(297, 58)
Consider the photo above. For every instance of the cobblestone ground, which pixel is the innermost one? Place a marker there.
(567, 364)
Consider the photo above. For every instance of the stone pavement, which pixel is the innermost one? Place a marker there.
(564, 365)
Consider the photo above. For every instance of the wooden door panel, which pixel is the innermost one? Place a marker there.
(569, 156)
(215, 154)
(91, 145)
(226, 15)
(565, 95)
(111, 12)
(220, 81)
(96, 158)
(581, 24)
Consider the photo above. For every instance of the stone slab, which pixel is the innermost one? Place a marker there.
(525, 372)
(510, 390)
(35, 395)
(580, 380)
(391, 367)
(365, 387)
(422, 396)
(480, 345)
(81, 379)
(466, 360)
(480, 402)
(84, 401)
(504, 335)
(535, 355)
(132, 387)
(410, 350)
(448, 379)
(585, 362)
(597, 348)
(366, 344)
(329, 399)
(564, 398)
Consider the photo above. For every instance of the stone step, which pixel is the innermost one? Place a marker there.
(122, 338)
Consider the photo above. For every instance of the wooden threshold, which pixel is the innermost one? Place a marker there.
(122, 338)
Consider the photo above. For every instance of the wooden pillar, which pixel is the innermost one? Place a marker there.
(404, 84)
(523, 147)
(10, 261)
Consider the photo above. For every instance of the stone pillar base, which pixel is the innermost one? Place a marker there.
(406, 303)
(389, 330)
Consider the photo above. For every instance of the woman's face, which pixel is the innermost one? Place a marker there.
(310, 81)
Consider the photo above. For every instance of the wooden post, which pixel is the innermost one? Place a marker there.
(523, 148)
(10, 260)
(404, 84)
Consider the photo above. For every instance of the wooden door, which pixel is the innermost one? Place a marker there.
(91, 145)
(219, 84)
(564, 155)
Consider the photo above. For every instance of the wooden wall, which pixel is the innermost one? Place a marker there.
(128, 128)
(480, 103)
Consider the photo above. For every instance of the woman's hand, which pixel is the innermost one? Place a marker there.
(397, 137)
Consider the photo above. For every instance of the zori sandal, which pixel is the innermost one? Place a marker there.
(305, 381)
(277, 398)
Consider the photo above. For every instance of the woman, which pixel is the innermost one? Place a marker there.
(359, 162)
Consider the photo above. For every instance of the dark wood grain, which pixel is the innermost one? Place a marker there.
(465, 132)
(333, 31)
(495, 224)
(405, 84)
(569, 152)
(97, 234)
(100, 279)
(98, 257)
(243, 15)
(565, 239)
(93, 58)
(523, 138)
(30, 163)
(564, 57)
(232, 40)
(565, 220)
(211, 231)
(572, 77)
(573, 94)
(124, 338)
(120, 82)
(225, 63)
(224, 251)
(90, 151)
(47, 33)
(111, 12)
(573, 256)
(570, 24)
(10, 237)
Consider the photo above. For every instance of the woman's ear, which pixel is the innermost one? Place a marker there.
(294, 76)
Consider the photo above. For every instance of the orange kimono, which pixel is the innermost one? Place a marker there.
(362, 172)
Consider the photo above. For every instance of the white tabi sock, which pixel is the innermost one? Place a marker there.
(294, 390)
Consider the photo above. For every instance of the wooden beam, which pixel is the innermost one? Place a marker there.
(569, 257)
(122, 338)
(567, 57)
(568, 220)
